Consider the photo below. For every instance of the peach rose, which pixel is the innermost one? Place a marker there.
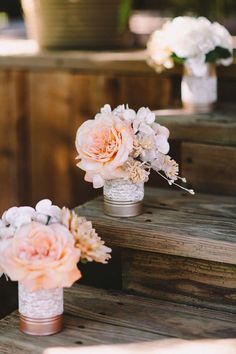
(41, 257)
(103, 145)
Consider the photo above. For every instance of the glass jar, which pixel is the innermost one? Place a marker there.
(199, 92)
(40, 311)
(123, 198)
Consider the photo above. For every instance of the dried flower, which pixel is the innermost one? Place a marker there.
(138, 172)
(142, 143)
(167, 165)
(86, 239)
(171, 168)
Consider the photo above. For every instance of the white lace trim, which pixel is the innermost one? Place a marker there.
(41, 303)
(123, 190)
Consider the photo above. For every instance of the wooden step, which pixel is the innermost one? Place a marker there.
(204, 142)
(182, 248)
(96, 316)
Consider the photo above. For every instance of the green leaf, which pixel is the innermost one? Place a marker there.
(216, 54)
(177, 59)
(123, 14)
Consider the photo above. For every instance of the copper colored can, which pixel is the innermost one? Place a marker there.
(41, 326)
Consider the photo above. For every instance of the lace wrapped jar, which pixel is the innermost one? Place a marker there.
(40, 311)
(123, 198)
(199, 92)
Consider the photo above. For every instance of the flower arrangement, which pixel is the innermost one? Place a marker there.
(40, 247)
(189, 40)
(124, 144)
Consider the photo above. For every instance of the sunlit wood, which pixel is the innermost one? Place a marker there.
(169, 346)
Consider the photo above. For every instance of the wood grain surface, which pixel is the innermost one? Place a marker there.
(216, 128)
(209, 168)
(180, 279)
(200, 231)
(95, 316)
(12, 157)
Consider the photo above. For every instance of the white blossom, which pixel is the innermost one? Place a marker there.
(190, 39)
(45, 208)
(18, 216)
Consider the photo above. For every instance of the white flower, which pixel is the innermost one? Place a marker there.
(7, 232)
(2, 223)
(17, 217)
(3, 244)
(221, 36)
(125, 113)
(159, 51)
(45, 208)
(188, 38)
(161, 138)
(106, 109)
(143, 120)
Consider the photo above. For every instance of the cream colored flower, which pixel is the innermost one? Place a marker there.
(91, 246)
(159, 51)
(167, 165)
(138, 172)
(171, 168)
(103, 145)
(142, 143)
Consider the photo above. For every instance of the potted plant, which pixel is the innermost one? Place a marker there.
(40, 248)
(117, 150)
(76, 23)
(199, 45)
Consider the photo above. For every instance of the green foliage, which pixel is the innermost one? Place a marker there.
(216, 54)
(123, 14)
(177, 59)
(211, 57)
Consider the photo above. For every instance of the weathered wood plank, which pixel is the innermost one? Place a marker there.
(77, 331)
(214, 128)
(203, 204)
(13, 152)
(180, 279)
(95, 316)
(210, 168)
(149, 315)
(51, 104)
(141, 90)
(176, 232)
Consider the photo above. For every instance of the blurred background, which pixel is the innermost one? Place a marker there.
(48, 89)
(146, 15)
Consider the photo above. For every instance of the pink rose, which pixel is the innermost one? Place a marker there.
(41, 257)
(103, 145)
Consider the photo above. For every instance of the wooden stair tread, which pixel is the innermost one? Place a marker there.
(200, 226)
(96, 316)
(215, 128)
